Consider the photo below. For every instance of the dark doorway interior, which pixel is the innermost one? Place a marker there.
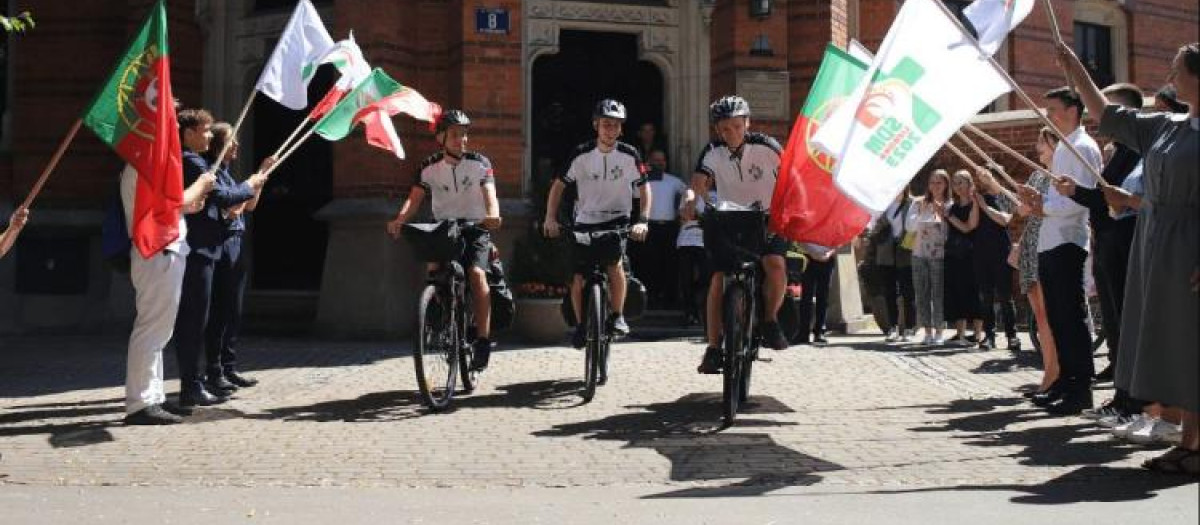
(566, 86)
(288, 243)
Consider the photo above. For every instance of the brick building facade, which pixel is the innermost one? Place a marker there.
(319, 254)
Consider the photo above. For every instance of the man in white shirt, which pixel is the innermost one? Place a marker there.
(655, 260)
(605, 172)
(1062, 251)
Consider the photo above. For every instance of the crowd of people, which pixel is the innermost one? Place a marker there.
(1123, 218)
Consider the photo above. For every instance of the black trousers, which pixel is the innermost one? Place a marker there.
(994, 278)
(193, 317)
(694, 276)
(814, 301)
(655, 262)
(1109, 265)
(225, 312)
(1060, 272)
(897, 283)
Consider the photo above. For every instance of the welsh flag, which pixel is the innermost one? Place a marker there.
(347, 57)
(806, 206)
(135, 114)
(296, 57)
(373, 103)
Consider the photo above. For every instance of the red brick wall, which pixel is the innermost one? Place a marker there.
(57, 69)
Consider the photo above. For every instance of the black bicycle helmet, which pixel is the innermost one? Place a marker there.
(609, 108)
(728, 107)
(453, 117)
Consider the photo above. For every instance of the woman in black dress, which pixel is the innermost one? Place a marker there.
(962, 292)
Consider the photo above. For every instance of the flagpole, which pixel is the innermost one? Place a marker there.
(62, 148)
(290, 151)
(1021, 93)
(291, 137)
(233, 135)
(1003, 147)
(966, 158)
(1058, 39)
(987, 159)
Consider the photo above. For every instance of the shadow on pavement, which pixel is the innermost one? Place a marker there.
(700, 451)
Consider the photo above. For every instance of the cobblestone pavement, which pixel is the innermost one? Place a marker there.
(855, 415)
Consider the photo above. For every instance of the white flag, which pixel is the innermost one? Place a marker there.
(301, 46)
(995, 19)
(926, 81)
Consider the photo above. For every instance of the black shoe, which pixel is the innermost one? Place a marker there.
(197, 396)
(483, 351)
(773, 336)
(1051, 395)
(219, 385)
(579, 338)
(819, 339)
(987, 343)
(178, 410)
(240, 380)
(152, 415)
(711, 364)
(1104, 376)
(1071, 403)
(1014, 344)
(972, 338)
(617, 325)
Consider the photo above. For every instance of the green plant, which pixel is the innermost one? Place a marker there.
(17, 24)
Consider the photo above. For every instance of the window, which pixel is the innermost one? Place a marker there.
(1093, 44)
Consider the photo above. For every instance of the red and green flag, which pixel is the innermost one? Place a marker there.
(807, 206)
(373, 103)
(135, 114)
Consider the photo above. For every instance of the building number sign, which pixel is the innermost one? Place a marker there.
(491, 20)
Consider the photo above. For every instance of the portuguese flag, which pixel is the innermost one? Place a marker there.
(135, 114)
(806, 206)
(373, 103)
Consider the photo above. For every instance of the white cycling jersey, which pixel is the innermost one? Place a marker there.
(605, 181)
(744, 177)
(457, 189)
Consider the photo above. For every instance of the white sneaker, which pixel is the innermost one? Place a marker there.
(1135, 423)
(928, 340)
(1097, 414)
(892, 336)
(938, 340)
(1114, 421)
(906, 337)
(1157, 432)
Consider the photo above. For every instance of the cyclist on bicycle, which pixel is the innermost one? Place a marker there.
(604, 171)
(462, 187)
(743, 165)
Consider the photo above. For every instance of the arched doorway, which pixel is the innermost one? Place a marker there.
(588, 66)
(287, 242)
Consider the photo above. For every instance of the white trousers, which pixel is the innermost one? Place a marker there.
(158, 284)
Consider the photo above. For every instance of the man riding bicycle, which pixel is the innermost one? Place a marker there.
(744, 166)
(604, 172)
(463, 187)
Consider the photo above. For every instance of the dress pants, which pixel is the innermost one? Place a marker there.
(814, 300)
(193, 318)
(994, 277)
(1109, 265)
(157, 285)
(1060, 271)
(225, 313)
(655, 262)
(898, 284)
(694, 277)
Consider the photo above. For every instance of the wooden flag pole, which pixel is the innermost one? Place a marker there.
(977, 168)
(986, 159)
(289, 152)
(1021, 93)
(291, 137)
(233, 135)
(1058, 39)
(1003, 147)
(62, 148)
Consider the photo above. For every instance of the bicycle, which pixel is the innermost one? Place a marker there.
(740, 237)
(597, 310)
(445, 318)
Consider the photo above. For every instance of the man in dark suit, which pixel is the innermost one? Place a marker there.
(206, 236)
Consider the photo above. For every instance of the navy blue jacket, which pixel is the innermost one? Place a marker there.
(207, 229)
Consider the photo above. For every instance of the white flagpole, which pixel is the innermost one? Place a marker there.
(289, 152)
(295, 132)
(1021, 93)
(986, 159)
(1003, 147)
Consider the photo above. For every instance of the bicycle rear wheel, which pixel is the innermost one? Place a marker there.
(466, 351)
(734, 335)
(435, 356)
(595, 341)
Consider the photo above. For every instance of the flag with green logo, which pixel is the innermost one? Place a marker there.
(927, 80)
(373, 103)
(297, 55)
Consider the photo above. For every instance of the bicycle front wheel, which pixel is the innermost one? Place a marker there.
(595, 341)
(435, 357)
(733, 316)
